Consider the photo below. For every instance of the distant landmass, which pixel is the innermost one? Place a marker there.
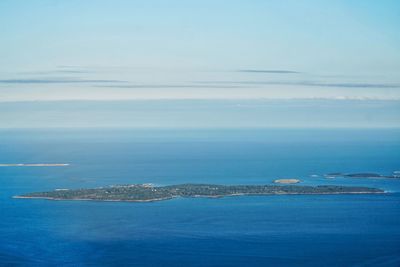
(148, 192)
(395, 175)
(34, 165)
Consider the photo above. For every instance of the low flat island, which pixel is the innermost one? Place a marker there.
(148, 192)
(395, 175)
(34, 165)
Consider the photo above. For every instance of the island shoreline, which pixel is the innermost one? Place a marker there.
(183, 197)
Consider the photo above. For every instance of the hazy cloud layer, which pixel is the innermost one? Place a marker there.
(309, 83)
(150, 86)
(269, 71)
(51, 72)
(59, 80)
(91, 83)
(201, 113)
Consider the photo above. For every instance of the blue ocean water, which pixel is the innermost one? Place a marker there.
(336, 230)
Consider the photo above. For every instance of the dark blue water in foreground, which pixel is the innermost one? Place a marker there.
(336, 230)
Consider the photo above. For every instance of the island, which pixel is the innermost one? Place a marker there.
(34, 165)
(362, 175)
(149, 192)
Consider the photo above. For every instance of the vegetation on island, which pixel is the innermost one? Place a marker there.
(148, 192)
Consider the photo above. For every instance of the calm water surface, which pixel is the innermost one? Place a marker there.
(337, 230)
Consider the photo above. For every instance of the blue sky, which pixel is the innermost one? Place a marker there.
(309, 36)
(241, 50)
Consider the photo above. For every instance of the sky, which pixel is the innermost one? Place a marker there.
(213, 51)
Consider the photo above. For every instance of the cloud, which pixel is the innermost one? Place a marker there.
(353, 85)
(55, 81)
(310, 83)
(50, 72)
(60, 70)
(269, 71)
(151, 86)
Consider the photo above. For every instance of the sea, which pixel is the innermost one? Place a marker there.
(277, 230)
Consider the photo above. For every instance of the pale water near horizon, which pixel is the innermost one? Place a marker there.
(326, 230)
